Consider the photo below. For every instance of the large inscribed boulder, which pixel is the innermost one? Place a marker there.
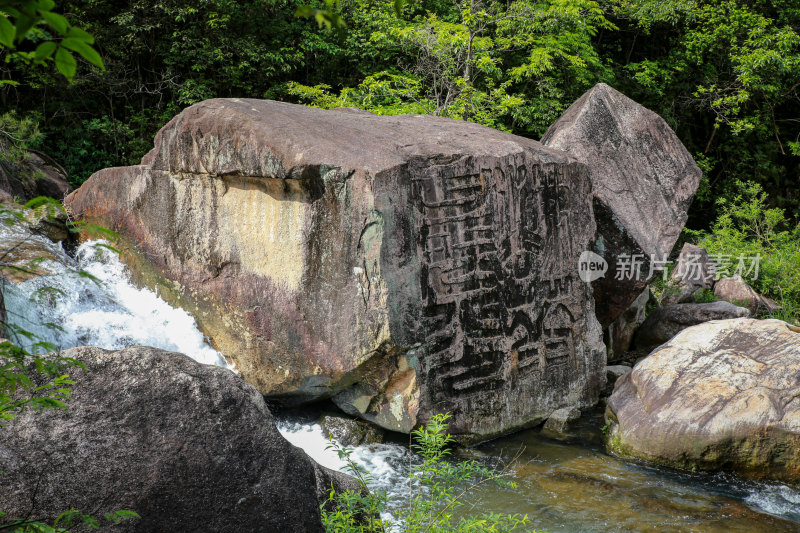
(643, 179)
(403, 265)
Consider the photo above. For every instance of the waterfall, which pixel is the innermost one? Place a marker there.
(67, 308)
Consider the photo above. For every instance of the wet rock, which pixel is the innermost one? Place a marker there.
(693, 273)
(26, 254)
(560, 420)
(404, 266)
(665, 322)
(738, 292)
(36, 174)
(720, 395)
(613, 373)
(619, 334)
(644, 181)
(49, 221)
(189, 447)
(349, 432)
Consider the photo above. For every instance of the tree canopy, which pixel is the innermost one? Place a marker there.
(724, 74)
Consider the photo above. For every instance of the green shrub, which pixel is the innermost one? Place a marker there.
(747, 229)
(437, 488)
(705, 296)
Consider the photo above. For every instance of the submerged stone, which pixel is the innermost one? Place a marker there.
(350, 432)
(560, 420)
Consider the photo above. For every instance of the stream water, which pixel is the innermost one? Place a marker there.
(563, 485)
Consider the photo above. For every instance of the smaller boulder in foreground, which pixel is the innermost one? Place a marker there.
(189, 447)
(720, 395)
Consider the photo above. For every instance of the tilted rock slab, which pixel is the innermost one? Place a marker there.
(406, 265)
(665, 322)
(643, 178)
(720, 395)
(189, 447)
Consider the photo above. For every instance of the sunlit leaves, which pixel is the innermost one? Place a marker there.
(18, 18)
(328, 17)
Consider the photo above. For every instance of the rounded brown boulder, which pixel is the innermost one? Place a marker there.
(720, 395)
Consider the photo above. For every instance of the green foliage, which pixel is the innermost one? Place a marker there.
(327, 17)
(64, 522)
(748, 228)
(722, 73)
(17, 136)
(705, 296)
(438, 495)
(56, 40)
(511, 66)
(19, 391)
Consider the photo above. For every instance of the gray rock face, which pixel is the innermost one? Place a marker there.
(37, 175)
(613, 373)
(666, 322)
(350, 432)
(560, 420)
(404, 265)
(619, 334)
(720, 395)
(643, 178)
(737, 291)
(694, 272)
(189, 447)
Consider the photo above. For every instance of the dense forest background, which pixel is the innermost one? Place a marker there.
(725, 74)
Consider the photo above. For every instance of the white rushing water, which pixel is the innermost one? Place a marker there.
(387, 464)
(110, 312)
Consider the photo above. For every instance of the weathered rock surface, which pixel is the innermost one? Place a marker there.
(725, 394)
(665, 322)
(560, 420)
(350, 432)
(613, 373)
(27, 253)
(737, 291)
(619, 334)
(406, 265)
(644, 181)
(189, 447)
(693, 273)
(49, 221)
(37, 175)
